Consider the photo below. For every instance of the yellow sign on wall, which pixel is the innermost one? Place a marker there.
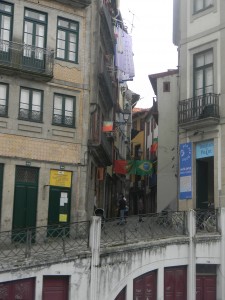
(60, 178)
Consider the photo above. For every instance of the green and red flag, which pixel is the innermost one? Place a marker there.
(143, 167)
(120, 166)
(107, 126)
(137, 167)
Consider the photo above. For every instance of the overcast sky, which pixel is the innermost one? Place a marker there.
(150, 24)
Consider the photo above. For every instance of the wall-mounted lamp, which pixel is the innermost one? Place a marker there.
(93, 107)
(126, 115)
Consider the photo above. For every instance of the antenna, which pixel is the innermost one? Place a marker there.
(132, 23)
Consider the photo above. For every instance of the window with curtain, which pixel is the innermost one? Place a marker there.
(30, 105)
(6, 14)
(67, 40)
(64, 110)
(200, 5)
(35, 24)
(203, 73)
(3, 99)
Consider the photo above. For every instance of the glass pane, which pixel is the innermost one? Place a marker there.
(72, 38)
(199, 61)
(69, 107)
(199, 4)
(5, 35)
(209, 80)
(61, 44)
(35, 15)
(28, 27)
(3, 91)
(72, 56)
(61, 35)
(5, 7)
(73, 26)
(36, 103)
(60, 53)
(63, 23)
(208, 57)
(208, 3)
(199, 83)
(72, 47)
(58, 105)
(6, 22)
(40, 30)
(28, 39)
(24, 99)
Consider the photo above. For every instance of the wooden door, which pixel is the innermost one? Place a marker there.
(206, 287)
(56, 288)
(175, 283)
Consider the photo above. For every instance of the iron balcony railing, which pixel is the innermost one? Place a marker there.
(206, 220)
(76, 3)
(143, 228)
(106, 83)
(49, 243)
(199, 107)
(26, 58)
(107, 26)
(156, 226)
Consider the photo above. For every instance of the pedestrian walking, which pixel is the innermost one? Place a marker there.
(122, 208)
(140, 209)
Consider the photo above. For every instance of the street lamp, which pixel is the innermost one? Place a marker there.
(126, 115)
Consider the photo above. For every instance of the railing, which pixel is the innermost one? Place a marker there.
(104, 76)
(206, 221)
(32, 246)
(143, 228)
(108, 20)
(3, 110)
(77, 3)
(49, 243)
(26, 58)
(199, 107)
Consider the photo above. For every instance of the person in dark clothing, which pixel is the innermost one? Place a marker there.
(122, 208)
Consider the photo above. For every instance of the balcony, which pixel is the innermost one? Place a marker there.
(102, 150)
(25, 60)
(76, 3)
(106, 84)
(107, 29)
(199, 112)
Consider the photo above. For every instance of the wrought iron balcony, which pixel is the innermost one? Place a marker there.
(28, 61)
(199, 111)
(106, 84)
(102, 150)
(107, 28)
(76, 3)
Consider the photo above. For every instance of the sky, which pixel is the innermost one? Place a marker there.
(150, 24)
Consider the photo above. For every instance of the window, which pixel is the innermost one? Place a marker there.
(63, 110)
(4, 88)
(166, 86)
(200, 5)
(31, 105)
(203, 73)
(67, 40)
(6, 13)
(34, 38)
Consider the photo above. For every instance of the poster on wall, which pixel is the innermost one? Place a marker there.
(205, 149)
(185, 171)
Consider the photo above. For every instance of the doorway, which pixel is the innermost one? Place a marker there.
(205, 183)
(59, 211)
(25, 202)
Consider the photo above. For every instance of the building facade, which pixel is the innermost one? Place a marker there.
(165, 87)
(199, 35)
